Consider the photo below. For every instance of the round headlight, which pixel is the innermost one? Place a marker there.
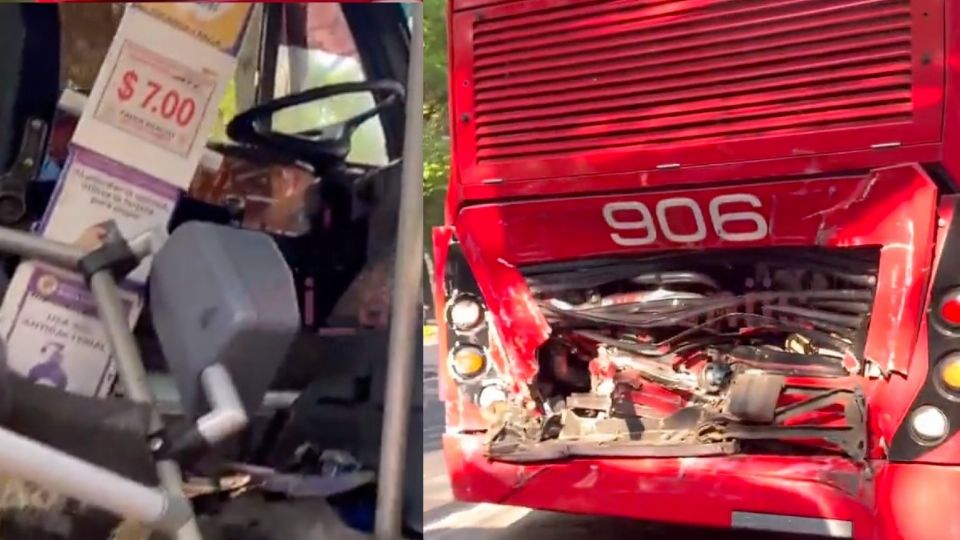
(929, 424)
(491, 395)
(465, 313)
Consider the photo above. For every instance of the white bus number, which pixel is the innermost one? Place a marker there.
(635, 219)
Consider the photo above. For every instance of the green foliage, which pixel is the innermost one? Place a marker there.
(436, 154)
(226, 112)
(435, 51)
(436, 157)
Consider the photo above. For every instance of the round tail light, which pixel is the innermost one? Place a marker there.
(950, 308)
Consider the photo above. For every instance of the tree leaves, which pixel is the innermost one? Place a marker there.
(436, 166)
(436, 132)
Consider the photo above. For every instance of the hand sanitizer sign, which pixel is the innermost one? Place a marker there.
(57, 320)
(94, 190)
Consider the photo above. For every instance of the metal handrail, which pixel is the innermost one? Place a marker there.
(405, 305)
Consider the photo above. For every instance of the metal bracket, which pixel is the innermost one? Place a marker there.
(226, 418)
(114, 255)
(850, 438)
(14, 182)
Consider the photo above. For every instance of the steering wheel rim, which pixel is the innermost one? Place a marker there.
(248, 128)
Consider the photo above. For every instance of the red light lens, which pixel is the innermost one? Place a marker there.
(950, 309)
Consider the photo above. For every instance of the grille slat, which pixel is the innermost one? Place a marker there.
(667, 120)
(767, 73)
(795, 123)
(831, 64)
(688, 31)
(622, 75)
(670, 105)
(520, 26)
(848, 38)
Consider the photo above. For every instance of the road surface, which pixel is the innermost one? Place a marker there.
(446, 519)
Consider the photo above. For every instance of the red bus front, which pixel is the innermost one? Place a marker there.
(701, 262)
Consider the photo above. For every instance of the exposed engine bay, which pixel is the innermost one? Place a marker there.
(699, 353)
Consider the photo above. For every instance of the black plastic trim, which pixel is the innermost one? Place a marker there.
(114, 255)
(941, 341)
(459, 280)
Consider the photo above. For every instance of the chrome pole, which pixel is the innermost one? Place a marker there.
(169, 509)
(133, 377)
(404, 309)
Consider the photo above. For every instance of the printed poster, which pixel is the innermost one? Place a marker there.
(55, 337)
(95, 190)
(219, 24)
(156, 99)
(48, 316)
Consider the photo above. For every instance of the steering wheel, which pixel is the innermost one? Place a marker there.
(323, 147)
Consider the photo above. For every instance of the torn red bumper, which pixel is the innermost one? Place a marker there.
(884, 502)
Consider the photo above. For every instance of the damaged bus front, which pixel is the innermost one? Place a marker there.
(703, 255)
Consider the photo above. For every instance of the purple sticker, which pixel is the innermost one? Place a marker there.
(66, 291)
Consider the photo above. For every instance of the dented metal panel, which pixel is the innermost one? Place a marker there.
(893, 208)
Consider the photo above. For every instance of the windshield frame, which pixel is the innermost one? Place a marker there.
(382, 36)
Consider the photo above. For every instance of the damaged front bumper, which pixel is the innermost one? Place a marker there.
(751, 413)
(826, 495)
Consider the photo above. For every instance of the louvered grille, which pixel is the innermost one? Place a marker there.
(626, 74)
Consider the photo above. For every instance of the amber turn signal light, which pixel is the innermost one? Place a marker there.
(468, 361)
(950, 372)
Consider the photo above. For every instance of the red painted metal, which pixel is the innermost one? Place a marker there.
(951, 120)
(460, 412)
(891, 502)
(441, 242)
(461, 195)
(894, 208)
(556, 96)
(834, 115)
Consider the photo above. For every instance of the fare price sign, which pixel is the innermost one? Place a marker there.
(156, 99)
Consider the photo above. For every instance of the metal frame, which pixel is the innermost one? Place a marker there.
(164, 508)
(405, 308)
